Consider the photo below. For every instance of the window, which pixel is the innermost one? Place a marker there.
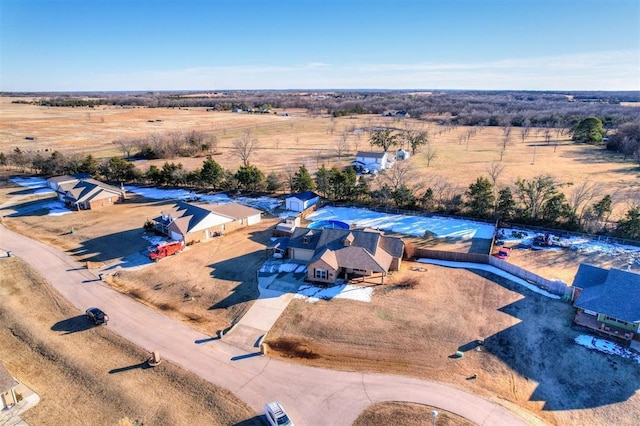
(321, 274)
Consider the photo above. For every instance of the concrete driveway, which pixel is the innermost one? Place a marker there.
(312, 396)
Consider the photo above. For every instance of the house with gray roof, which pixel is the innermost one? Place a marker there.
(345, 253)
(191, 222)
(85, 193)
(608, 301)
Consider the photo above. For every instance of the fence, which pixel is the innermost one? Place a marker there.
(555, 287)
(564, 234)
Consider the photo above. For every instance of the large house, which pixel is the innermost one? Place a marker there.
(200, 222)
(345, 253)
(85, 193)
(608, 301)
(374, 161)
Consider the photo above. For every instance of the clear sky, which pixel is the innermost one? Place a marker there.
(96, 45)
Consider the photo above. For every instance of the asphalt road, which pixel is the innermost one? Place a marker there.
(311, 396)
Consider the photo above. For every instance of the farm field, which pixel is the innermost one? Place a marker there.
(99, 377)
(288, 142)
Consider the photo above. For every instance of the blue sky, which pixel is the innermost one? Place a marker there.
(73, 45)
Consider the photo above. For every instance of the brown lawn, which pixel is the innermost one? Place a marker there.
(407, 414)
(89, 375)
(528, 359)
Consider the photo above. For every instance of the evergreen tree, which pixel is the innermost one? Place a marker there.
(89, 166)
(302, 180)
(322, 181)
(274, 182)
(480, 197)
(212, 173)
(506, 206)
(589, 130)
(403, 197)
(629, 226)
(250, 178)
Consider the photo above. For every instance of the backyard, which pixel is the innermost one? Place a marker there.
(528, 357)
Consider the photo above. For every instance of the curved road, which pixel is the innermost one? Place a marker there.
(312, 396)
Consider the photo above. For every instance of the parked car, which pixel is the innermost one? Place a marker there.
(276, 416)
(97, 316)
(503, 253)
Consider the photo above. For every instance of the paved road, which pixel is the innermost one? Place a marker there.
(312, 396)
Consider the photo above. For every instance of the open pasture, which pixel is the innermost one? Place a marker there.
(286, 142)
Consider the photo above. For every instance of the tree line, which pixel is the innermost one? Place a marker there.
(539, 201)
(464, 108)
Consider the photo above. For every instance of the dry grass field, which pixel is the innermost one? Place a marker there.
(389, 413)
(89, 375)
(301, 139)
(528, 358)
(209, 285)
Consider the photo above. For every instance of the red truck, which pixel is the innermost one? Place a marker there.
(166, 249)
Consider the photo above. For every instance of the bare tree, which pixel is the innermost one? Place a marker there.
(402, 174)
(581, 196)
(342, 145)
(504, 141)
(524, 132)
(430, 154)
(126, 144)
(494, 170)
(245, 146)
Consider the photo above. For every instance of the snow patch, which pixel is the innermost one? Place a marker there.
(606, 346)
(493, 270)
(29, 182)
(441, 227)
(344, 291)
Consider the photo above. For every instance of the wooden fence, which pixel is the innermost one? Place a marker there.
(554, 287)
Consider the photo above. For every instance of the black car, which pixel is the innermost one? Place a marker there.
(97, 316)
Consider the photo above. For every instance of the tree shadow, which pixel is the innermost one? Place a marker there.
(107, 248)
(73, 325)
(541, 348)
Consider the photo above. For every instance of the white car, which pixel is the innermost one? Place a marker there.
(276, 416)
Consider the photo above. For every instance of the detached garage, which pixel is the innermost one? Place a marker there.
(302, 201)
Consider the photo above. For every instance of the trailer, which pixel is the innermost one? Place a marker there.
(166, 249)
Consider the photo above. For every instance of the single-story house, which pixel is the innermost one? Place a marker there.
(200, 222)
(608, 301)
(8, 385)
(302, 201)
(334, 253)
(85, 193)
(374, 160)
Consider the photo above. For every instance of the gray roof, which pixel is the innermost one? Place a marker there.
(588, 276)
(7, 382)
(617, 297)
(234, 210)
(304, 196)
(371, 154)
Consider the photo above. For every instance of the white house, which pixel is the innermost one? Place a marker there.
(374, 160)
(302, 201)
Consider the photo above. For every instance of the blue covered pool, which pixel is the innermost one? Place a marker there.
(330, 224)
